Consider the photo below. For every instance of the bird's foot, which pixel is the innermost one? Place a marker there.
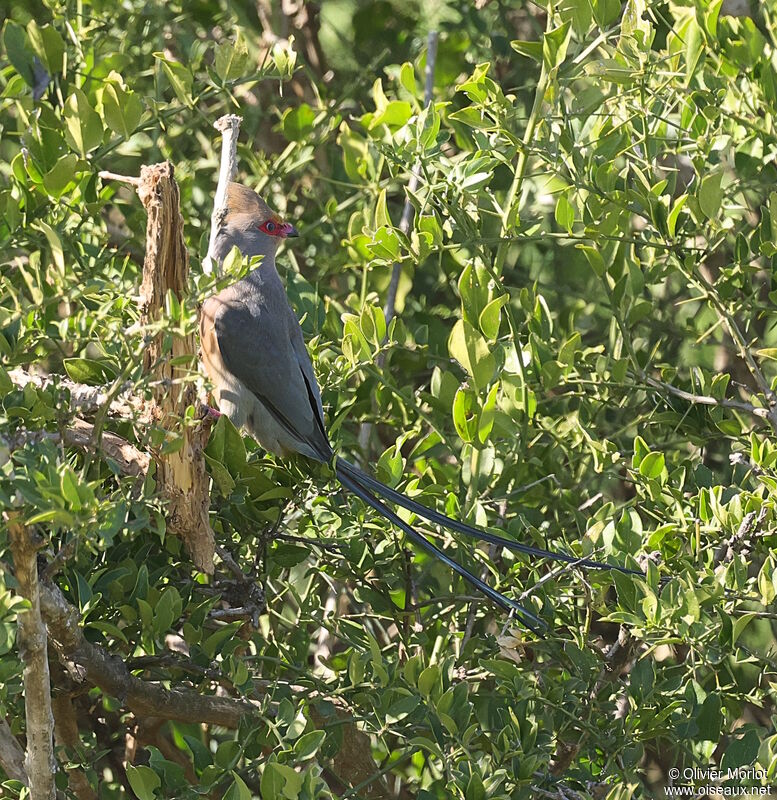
(208, 412)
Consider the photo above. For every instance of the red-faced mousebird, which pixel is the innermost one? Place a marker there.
(263, 380)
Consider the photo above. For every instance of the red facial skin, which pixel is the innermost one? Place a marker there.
(275, 227)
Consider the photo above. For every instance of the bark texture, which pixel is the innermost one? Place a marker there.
(40, 765)
(182, 476)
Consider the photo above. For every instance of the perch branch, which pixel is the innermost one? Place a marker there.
(92, 664)
(40, 765)
(229, 125)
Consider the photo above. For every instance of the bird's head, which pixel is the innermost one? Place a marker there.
(251, 225)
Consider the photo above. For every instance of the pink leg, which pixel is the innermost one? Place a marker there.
(211, 412)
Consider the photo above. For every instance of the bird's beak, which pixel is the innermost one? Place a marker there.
(289, 230)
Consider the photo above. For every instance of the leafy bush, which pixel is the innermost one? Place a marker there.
(583, 356)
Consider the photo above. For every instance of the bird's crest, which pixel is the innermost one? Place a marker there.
(242, 200)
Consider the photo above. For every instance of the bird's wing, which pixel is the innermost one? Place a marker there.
(256, 344)
(303, 359)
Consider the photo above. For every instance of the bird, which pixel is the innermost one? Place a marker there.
(254, 353)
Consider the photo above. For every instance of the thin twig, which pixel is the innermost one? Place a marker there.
(389, 309)
(412, 185)
(113, 176)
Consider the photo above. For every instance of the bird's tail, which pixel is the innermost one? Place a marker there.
(343, 468)
(358, 487)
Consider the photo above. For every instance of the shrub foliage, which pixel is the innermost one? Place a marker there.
(583, 355)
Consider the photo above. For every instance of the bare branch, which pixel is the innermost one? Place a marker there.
(229, 125)
(39, 762)
(706, 400)
(80, 433)
(11, 754)
(66, 735)
(89, 663)
(87, 399)
(113, 176)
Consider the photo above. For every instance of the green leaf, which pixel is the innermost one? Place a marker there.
(491, 317)
(528, 49)
(594, 258)
(55, 243)
(297, 122)
(69, 488)
(279, 781)
(652, 465)
(226, 446)
(144, 781)
(307, 745)
(674, 214)
(179, 77)
(381, 218)
(710, 194)
(231, 58)
(471, 350)
(48, 45)
(428, 680)
(741, 751)
(15, 45)
(83, 128)
(238, 790)
(739, 626)
(89, 371)
(407, 78)
(565, 213)
(488, 414)
(121, 108)
(709, 719)
(61, 176)
(465, 414)
(554, 46)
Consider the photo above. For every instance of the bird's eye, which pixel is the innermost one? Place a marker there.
(270, 227)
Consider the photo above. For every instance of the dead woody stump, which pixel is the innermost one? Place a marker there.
(169, 361)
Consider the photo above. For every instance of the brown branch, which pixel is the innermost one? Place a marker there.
(113, 176)
(92, 664)
(80, 433)
(742, 541)
(66, 736)
(11, 754)
(39, 763)
(181, 474)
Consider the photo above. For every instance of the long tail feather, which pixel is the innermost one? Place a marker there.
(532, 622)
(344, 467)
